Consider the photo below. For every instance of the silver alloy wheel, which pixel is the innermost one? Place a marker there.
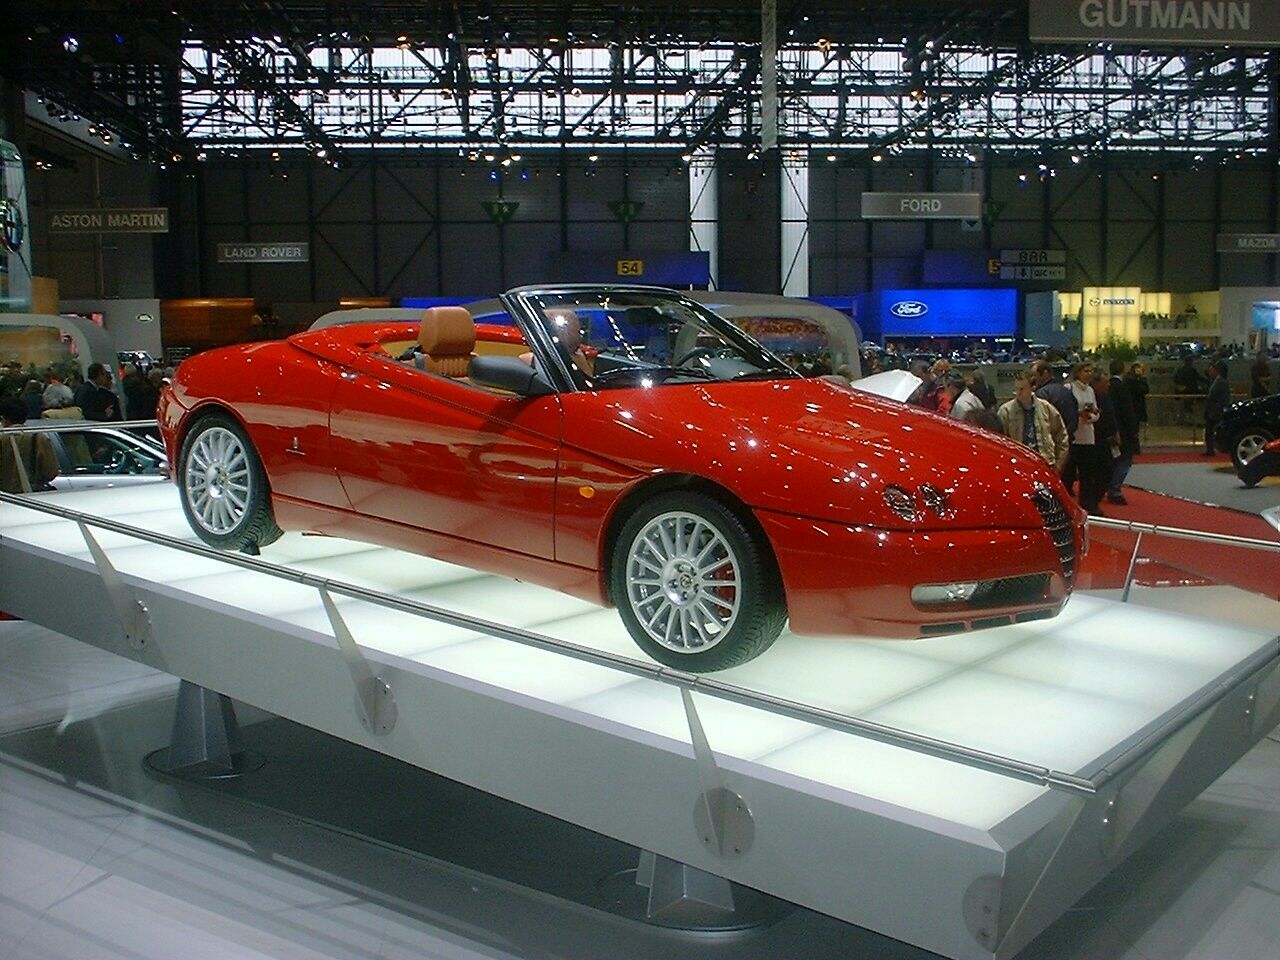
(1249, 446)
(683, 582)
(217, 480)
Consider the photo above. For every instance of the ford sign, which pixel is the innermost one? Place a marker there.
(909, 308)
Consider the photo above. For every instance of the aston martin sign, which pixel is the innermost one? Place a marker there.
(1254, 23)
(119, 220)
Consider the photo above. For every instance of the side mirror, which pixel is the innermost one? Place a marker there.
(508, 373)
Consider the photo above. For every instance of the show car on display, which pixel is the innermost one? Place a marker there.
(629, 446)
(1247, 426)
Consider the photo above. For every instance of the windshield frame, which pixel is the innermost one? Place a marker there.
(520, 306)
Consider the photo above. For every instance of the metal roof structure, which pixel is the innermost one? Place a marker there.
(187, 81)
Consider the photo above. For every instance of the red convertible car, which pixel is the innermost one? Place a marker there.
(629, 446)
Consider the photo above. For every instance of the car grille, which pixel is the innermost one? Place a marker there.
(1010, 591)
(1058, 522)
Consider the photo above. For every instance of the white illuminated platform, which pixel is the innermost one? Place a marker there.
(1144, 706)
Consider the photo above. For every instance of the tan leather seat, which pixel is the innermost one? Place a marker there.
(447, 339)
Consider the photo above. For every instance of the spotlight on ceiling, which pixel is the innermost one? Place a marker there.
(70, 44)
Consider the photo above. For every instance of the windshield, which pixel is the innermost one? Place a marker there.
(623, 338)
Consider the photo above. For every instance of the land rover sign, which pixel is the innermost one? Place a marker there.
(264, 252)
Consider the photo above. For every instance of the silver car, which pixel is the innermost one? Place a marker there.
(103, 455)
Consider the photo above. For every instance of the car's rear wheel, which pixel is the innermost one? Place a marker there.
(696, 588)
(224, 488)
(1248, 444)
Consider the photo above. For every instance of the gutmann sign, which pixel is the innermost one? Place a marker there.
(1174, 22)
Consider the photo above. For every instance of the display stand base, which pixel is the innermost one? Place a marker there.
(666, 893)
(205, 744)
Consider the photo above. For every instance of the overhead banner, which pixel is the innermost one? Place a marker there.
(1249, 243)
(123, 220)
(921, 206)
(264, 252)
(1253, 23)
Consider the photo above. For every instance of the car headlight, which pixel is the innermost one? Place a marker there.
(935, 499)
(901, 502)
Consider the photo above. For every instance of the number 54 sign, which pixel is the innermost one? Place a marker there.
(630, 268)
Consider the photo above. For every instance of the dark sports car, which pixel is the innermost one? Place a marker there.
(629, 446)
(1247, 426)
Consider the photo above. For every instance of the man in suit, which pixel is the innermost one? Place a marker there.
(1215, 403)
(1126, 415)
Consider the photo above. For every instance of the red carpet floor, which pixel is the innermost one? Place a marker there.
(1178, 562)
(1180, 455)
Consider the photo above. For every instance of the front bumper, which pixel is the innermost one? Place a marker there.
(842, 579)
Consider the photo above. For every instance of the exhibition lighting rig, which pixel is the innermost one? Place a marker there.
(673, 95)
(854, 78)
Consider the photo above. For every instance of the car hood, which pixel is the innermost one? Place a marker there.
(811, 448)
(1260, 406)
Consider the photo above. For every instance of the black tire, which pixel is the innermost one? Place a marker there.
(687, 593)
(1255, 437)
(212, 503)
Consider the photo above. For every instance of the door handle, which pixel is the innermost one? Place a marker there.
(349, 375)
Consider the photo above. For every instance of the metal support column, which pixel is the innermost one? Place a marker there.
(205, 743)
(704, 210)
(794, 184)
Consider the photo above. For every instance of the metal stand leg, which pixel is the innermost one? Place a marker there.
(683, 895)
(206, 739)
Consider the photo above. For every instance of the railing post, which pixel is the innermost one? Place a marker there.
(1133, 562)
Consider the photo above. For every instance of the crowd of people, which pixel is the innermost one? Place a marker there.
(1086, 427)
(27, 460)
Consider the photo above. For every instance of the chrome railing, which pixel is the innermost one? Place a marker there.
(686, 682)
(781, 706)
(1177, 533)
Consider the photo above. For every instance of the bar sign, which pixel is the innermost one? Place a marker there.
(1010, 257)
(1028, 271)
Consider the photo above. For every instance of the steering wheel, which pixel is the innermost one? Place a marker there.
(694, 354)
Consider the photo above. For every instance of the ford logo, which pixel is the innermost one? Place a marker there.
(909, 308)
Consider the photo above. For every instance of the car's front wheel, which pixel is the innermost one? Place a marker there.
(1248, 444)
(224, 488)
(696, 588)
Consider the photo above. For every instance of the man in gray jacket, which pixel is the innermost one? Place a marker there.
(1036, 422)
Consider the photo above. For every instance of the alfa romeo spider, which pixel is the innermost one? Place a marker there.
(626, 445)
